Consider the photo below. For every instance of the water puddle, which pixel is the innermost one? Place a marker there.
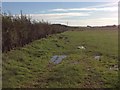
(56, 59)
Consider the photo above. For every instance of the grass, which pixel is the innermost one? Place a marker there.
(30, 67)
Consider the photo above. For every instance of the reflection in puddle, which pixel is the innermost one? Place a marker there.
(57, 58)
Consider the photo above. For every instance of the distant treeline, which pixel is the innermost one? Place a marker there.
(20, 30)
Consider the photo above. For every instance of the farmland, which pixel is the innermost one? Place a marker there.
(30, 66)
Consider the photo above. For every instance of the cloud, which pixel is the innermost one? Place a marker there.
(111, 4)
(105, 14)
(103, 7)
(92, 22)
(87, 9)
(52, 16)
(61, 19)
(103, 21)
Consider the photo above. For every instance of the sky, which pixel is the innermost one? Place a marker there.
(71, 13)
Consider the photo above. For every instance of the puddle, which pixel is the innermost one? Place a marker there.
(57, 59)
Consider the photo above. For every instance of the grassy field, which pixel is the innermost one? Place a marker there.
(30, 65)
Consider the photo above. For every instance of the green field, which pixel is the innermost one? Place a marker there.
(30, 65)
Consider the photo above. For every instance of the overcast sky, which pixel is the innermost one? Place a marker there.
(75, 13)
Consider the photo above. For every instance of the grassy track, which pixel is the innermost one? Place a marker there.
(30, 67)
